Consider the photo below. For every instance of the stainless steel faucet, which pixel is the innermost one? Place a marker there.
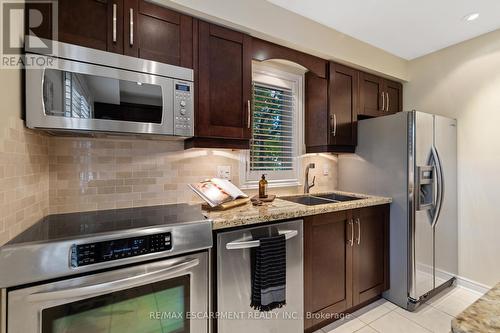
(307, 187)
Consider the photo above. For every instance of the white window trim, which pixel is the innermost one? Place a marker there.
(275, 75)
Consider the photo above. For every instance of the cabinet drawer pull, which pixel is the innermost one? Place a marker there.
(249, 114)
(388, 101)
(383, 101)
(358, 239)
(114, 22)
(131, 20)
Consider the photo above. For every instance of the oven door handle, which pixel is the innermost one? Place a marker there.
(114, 285)
(246, 244)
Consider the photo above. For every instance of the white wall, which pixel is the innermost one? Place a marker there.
(265, 20)
(463, 82)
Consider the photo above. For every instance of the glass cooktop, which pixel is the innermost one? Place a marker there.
(76, 225)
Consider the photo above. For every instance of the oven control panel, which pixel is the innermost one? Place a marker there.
(93, 253)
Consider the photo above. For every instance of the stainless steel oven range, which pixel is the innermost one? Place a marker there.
(128, 270)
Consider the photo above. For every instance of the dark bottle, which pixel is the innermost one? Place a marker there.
(263, 187)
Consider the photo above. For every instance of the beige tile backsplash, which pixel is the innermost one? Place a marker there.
(93, 174)
(41, 174)
(24, 177)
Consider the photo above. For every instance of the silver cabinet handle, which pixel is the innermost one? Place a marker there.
(358, 239)
(351, 240)
(113, 285)
(249, 117)
(383, 101)
(333, 123)
(388, 101)
(246, 244)
(114, 22)
(131, 19)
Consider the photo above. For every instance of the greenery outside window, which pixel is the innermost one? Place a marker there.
(277, 127)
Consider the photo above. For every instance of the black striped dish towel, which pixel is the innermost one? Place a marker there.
(269, 274)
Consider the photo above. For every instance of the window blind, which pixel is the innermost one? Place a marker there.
(272, 146)
(77, 100)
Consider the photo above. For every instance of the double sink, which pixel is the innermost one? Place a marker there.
(320, 199)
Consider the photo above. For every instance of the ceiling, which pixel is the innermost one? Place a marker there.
(406, 28)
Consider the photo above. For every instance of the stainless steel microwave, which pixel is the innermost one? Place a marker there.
(92, 91)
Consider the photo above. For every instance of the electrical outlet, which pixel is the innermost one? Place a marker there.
(326, 170)
(224, 171)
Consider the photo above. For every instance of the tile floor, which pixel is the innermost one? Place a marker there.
(385, 317)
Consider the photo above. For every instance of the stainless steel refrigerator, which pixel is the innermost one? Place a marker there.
(411, 157)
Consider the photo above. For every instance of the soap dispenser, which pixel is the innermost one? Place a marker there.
(263, 187)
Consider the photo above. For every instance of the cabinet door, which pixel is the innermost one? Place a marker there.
(156, 33)
(394, 94)
(371, 90)
(316, 111)
(343, 104)
(371, 253)
(224, 83)
(327, 265)
(91, 23)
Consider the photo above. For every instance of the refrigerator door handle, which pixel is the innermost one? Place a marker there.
(440, 186)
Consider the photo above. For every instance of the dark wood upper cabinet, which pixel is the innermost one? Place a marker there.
(156, 33)
(327, 266)
(331, 110)
(371, 253)
(371, 90)
(346, 262)
(316, 112)
(224, 87)
(263, 50)
(92, 23)
(394, 95)
(343, 105)
(132, 27)
(378, 96)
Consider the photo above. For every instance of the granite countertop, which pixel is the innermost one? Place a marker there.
(481, 316)
(281, 209)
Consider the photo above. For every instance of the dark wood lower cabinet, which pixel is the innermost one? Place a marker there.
(371, 253)
(346, 262)
(327, 273)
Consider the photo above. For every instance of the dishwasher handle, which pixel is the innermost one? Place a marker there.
(246, 244)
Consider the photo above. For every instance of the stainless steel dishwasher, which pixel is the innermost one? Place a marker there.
(234, 282)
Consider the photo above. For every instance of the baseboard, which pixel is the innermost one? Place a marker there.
(461, 281)
(472, 285)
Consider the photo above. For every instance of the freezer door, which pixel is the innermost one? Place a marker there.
(421, 277)
(446, 226)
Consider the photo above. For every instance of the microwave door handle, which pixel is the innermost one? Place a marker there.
(237, 245)
(112, 286)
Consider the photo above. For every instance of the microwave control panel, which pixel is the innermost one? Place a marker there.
(183, 108)
(94, 253)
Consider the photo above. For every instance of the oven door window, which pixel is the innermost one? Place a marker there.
(155, 308)
(76, 95)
